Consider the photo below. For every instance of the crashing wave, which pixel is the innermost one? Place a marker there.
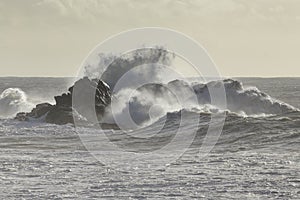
(118, 101)
(152, 101)
(142, 63)
(133, 108)
(65, 111)
(13, 100)
(249, 101)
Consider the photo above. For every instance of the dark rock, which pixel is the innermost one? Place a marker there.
(22, 116)
(60, 115)
(39, 111)
(64, 112)
(64, 100)
(90, 96)
(109, 126)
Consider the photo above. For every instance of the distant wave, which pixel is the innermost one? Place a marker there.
(12, 101)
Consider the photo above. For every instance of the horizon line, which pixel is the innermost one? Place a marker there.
(27, 76)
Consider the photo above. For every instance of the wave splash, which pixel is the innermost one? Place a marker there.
(241, 100)
(132, 107)
(153, 101)
(12, 101)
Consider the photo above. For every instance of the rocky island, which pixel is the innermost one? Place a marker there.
(63, 111)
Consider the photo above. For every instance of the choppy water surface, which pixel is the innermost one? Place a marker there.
(256, 157)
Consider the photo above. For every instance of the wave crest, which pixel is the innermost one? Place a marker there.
(153, 101)
(248, 101)
(12, 101)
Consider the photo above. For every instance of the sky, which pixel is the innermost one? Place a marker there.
(244, 38)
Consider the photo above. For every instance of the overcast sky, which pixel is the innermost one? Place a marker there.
(244, 37)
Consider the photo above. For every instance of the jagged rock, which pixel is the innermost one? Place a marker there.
(64, 112)
(22, 116)
(89, 96)
(60, 115)
(65, 100)
(39, 111)
(109, 126)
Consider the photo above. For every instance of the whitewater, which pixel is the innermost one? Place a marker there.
(256, 157)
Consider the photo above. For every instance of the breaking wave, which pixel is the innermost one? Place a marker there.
(153, 101)
(12, 101)
(241, 100)
(134, 107)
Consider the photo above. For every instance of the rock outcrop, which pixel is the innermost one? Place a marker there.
(64, 112)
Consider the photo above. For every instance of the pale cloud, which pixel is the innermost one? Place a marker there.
(61, 32)
(93, 11)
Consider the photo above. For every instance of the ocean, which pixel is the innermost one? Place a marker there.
(257, 155)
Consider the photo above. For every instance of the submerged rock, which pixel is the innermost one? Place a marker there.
(39, 111)
(63, 112)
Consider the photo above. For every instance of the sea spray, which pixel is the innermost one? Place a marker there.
(12, 101)
(135, 107)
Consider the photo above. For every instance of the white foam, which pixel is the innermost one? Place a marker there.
(135, 106)
(12, 101)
